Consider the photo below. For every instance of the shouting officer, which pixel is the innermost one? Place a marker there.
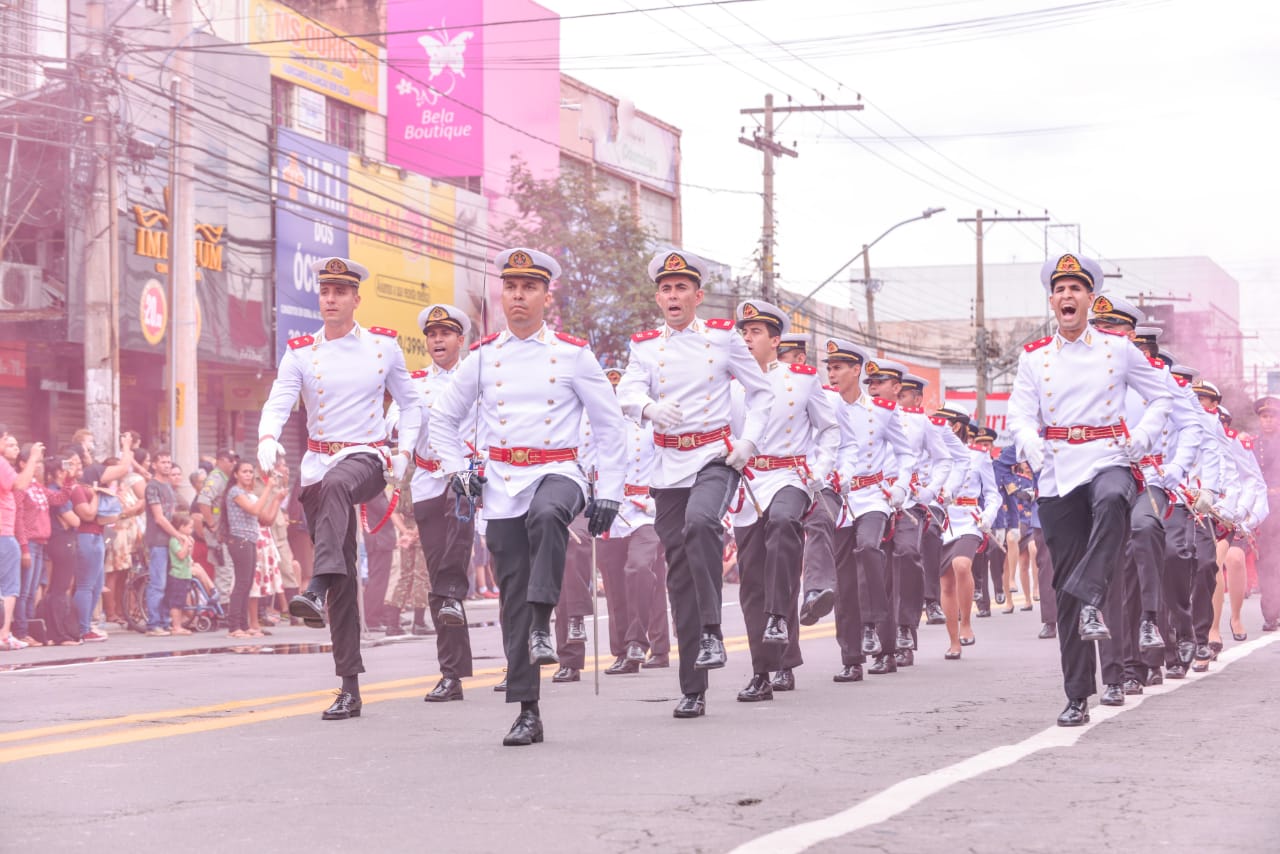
(342, 374)
(532, 385)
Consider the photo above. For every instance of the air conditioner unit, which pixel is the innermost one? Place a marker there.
(21, 287)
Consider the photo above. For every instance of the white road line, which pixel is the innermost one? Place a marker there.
(902, 796)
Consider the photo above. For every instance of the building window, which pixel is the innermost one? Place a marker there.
(281, 103)
(344, 126)
(16, 38)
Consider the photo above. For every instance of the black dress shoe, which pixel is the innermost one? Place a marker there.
(1215, 647)
(656, 661)
(420, 630)
(1186, 653)
(1202, 652)
(999, 598)
(635, 652)
(1155, 676)
(308, 607)
(904, 639)
(622, 666)
(1149, 637)
(757, 690)
(577, 632)
(567, 674)
(882, 665)
(345, 706)
(1077, 712)
(1091, 626)
(450, 613)
(1047, 630)
(984, 612)
(1113, 695)
(784, 680)
(817, 604)
(849, 673)
(691, 706)
(395, 630)
(933, 614)
(904, 658)
(870, 640)
(1176, 671)
(775, 630)
(711, 654)
(526, 730)
(448, 688)
(501, 687)
(541, 650)
(1132, 687)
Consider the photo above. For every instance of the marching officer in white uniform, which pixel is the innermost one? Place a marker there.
(874, 466)
(678, 377)
(1065, 414)
(791, 464)
(342, 374)
(532, 385)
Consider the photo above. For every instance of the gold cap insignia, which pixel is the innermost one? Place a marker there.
(872, 368)
(1102, 305)
(749, 310)
(615, 376)
(674, 262)
(519, 259)
(1068, 264)
(437, 313)
(335, 265)
(832, 347)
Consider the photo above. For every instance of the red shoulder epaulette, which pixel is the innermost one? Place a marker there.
(1157, 364)
(382, 330)
(887, 404)
(1248, 444)
(937, 421)
(301, 341)
(1231, 434)
(417, 375)
(914, 410)
(720, 323)
(647, 335)
(485, 340)
(1115, 332)
(1036, 345)
(569, 339)
(808, 370)
(1181, 381)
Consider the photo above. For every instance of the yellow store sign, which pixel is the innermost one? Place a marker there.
(305, 52)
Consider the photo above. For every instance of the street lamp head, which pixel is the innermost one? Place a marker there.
(931, 211)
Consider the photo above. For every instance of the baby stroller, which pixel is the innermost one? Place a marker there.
(203, 611)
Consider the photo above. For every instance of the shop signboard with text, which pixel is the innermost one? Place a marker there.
(305, 52)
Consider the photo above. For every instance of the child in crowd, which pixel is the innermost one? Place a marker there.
(180, 567)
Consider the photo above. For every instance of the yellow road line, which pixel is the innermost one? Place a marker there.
(165, 724)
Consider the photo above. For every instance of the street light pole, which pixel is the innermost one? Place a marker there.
(865, 247)
(870, 288)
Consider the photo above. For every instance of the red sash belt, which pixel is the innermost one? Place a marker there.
(1079, 434)
(532, 456)
(1151, 461)
(965, 502)
(630, 489)
(331, 448)
(774, 463)
(856, 483)
(423, 463)
(689, 441)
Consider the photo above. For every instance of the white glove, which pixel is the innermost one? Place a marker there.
(814, 487)
(1203, 503)
(269, 453)
(665, 415)
(1138, 446)
(1174, 475)
(742, 451)
(1033, 454)
(925, 495)
(650, 506)
(897, 497)
(399, 465)
(986, 520)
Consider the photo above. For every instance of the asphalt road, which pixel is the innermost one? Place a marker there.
(225, 751)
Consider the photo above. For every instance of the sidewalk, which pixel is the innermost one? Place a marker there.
(123, 644)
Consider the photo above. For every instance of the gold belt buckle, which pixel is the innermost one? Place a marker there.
(686, 441)
(334, 447)
(1075, 434)
(519, 456)
(761, 463)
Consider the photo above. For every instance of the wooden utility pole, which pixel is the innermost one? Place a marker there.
(762, 140)
(980, 309)
(184, 425)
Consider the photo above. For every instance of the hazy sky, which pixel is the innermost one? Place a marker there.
(1152, 124)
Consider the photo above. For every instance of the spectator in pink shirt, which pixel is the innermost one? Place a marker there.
(32, 528)
(11, 481)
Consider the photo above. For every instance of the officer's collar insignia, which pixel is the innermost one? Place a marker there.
(1102, 305)
(519, 259)
(749, 310)
(1068, 264)
(437, 313)
(675, 261)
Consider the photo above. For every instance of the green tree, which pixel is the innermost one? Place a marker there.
(604, 294)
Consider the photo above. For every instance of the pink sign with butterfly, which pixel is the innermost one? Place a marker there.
(435, 87)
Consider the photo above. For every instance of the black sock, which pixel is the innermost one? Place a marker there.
(319, 585)
(542, 615)
(351, 684)
(712, 629)
(530, 706)
(419, 616)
